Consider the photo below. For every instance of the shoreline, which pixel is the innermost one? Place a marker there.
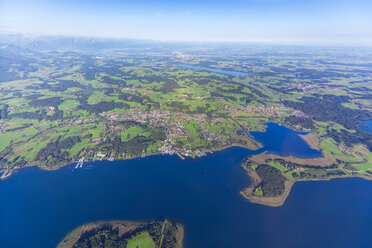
(311, 139)
(278, 201)
(254, 146)
(122, 226)
(269, 201)
(321, 162)
(9, 173)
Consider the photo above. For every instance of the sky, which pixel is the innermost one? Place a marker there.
(270, 21)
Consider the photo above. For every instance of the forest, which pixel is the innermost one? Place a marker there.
(56, 150)
(330, 108)
(272, 184)
(162, 233)
(135, 146)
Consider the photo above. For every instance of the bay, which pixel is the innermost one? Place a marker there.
(38, 208)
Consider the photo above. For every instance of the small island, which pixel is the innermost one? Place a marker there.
(151, 234)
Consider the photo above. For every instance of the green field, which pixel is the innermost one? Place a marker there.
(125, 104)
(142, 240)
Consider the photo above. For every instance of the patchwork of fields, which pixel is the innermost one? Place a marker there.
(59, 107)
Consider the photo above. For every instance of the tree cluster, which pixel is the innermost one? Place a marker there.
(330, 108)
(39, 115)
(4, 111)
(304, 122)
(272, 184)
(56, 150)
(102, 106)
(45, 102)
(108, 236)
(134, 146)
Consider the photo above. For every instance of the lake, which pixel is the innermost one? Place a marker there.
(284, 141)
(368, 127)
(203, 68)
(38, 208)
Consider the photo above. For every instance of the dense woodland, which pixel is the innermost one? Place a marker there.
(40, 114)
(304, 122)
(56, 150)
(329, 108)
(108, 236)
(103, 106)
(3, 111)
(135, 146)
(272, 184)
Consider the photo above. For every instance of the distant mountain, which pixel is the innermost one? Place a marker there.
(12, 56)
(81, 44)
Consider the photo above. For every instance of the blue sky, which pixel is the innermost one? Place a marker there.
(283, 21)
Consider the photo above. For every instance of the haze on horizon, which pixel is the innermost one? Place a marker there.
(339, 22)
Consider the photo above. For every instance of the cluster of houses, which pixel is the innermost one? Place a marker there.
(305, 87)
(168, 121)
(2, 127)
(347, 149)
(264, 110)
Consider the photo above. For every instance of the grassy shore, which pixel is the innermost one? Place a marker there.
(268, 201)
(280, 200)
(312, 140)
(324, 161)
(254, 145)
(292, 170)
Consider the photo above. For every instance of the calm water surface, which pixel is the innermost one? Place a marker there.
(284, 141)
(203, 68)
(38, 208)
(368, 127)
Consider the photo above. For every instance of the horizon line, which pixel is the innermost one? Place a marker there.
(154, 40)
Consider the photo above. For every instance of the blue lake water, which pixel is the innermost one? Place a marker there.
(203, 68)
(368, 127)
(38, 208)
(284, 141)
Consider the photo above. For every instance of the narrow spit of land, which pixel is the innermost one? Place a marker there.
(273, 175)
